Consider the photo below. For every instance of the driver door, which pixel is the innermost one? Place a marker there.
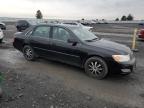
(62, 49)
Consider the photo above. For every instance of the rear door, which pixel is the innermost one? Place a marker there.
(39, 40)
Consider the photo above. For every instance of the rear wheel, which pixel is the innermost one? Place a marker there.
(29, 53)
(96, 67)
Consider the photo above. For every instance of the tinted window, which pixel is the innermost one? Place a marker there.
(1, 25)
(42, 31)
(60, 34)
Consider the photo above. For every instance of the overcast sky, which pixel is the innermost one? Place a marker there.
(72, 9)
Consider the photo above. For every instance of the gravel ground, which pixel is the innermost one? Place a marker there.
(23, 91)
(48, 84)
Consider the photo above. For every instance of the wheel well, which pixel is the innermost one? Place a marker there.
(24, 45)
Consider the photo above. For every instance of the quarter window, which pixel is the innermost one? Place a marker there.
(60, 34)
(42, 31)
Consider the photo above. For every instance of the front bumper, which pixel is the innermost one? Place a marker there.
(123, 68)
(128, 67)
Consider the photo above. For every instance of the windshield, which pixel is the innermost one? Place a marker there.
(83, 34)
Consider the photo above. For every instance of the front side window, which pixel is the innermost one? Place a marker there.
(83, 34)
(60, 34)
(42, 31)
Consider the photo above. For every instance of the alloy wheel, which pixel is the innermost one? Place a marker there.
(28, 53)
(95, 68)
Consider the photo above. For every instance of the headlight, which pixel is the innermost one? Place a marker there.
(121, 58)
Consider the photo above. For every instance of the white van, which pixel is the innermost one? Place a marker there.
(1, 36)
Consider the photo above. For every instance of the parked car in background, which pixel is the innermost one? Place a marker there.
(102, 22)
(1, 35)
(141, 23)
(79, 24)
(141, 34)
(22, 25)
(2, 26)
(76, 46)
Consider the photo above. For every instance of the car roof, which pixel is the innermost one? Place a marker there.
(59, 25)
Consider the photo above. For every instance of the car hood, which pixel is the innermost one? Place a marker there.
(111, 46)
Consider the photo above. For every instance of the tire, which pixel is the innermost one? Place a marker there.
(96, 67)
(29, 53)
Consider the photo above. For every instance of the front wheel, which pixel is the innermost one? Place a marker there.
(96, 67)
(28, 53)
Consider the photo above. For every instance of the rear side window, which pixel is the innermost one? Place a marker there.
(42, 31)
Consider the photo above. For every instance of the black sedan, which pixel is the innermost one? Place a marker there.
(21, 25)
(76, 46)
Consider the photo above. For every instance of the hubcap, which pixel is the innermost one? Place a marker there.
(28, 53)
(95, 68)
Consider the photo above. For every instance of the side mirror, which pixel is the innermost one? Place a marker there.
(72, 41)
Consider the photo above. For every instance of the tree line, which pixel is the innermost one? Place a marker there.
(125, 18)
(39, 15)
